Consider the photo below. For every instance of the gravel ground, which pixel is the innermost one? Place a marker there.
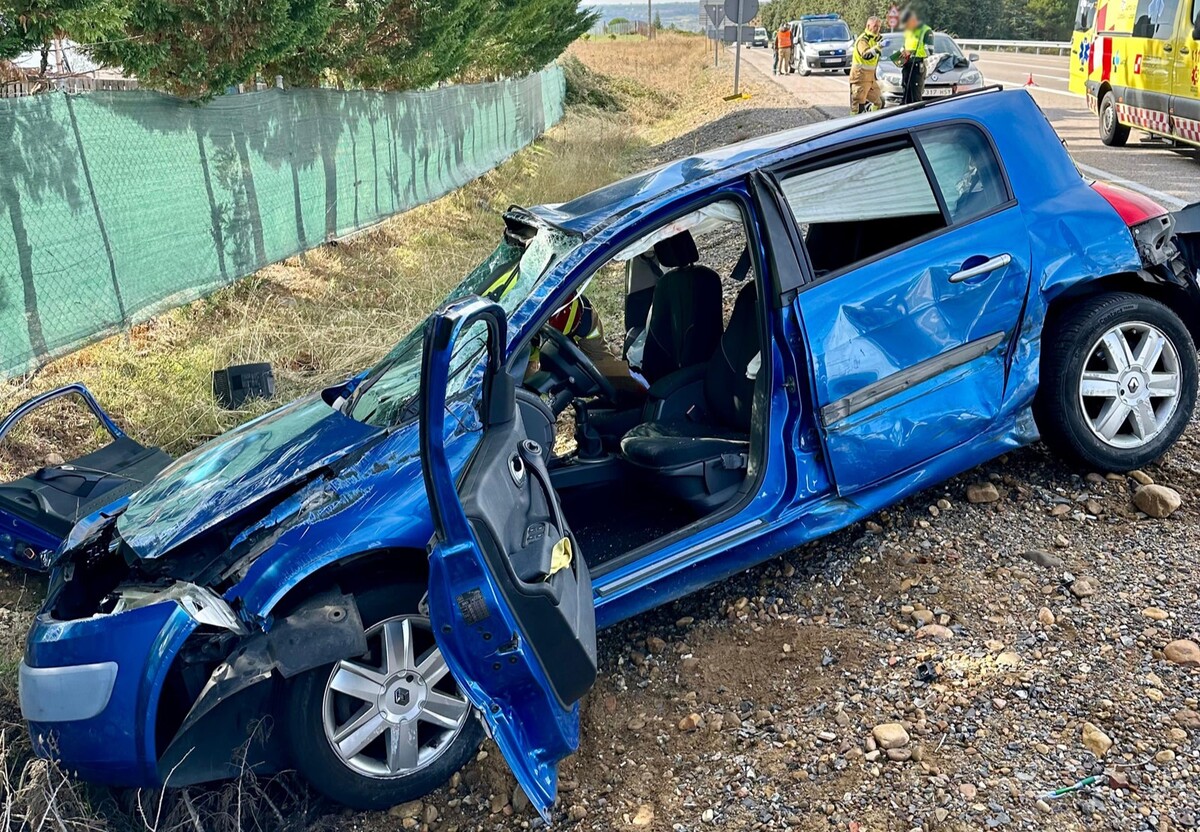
(942, 666)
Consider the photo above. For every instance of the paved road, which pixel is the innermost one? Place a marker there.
(1172, 177)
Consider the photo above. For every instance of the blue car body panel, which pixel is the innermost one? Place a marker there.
(351, 489)
(235, 470)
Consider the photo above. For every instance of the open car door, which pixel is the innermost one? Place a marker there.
(510, 598)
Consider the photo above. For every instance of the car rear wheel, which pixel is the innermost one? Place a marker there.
(387, 727)
(1112, 132)
(1118, 385)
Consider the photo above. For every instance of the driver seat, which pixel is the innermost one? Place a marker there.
(683, 328)
(701, 457)
(685, 313)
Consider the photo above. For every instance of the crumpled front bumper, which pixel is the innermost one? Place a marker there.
(90, 689)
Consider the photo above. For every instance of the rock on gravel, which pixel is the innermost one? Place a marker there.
(1157, 500)
(1085, 587)
(890, 735)
(1043, 558)
(1096, 740)
(1184, 652)
(982, 492)
(936, 632)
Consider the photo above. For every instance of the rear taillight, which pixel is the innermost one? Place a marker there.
(1134, 208)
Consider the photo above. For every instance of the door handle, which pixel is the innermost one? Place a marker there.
(1183, 50)
(1168, 47)
(983, 268)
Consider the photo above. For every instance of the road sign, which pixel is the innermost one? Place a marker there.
(741, 11)
(715, 11)
(732, 33)
(893, 17)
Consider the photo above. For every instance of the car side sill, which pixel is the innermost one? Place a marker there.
(877, 391)
(652, 569)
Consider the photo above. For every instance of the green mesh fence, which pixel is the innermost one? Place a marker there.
(115, 206)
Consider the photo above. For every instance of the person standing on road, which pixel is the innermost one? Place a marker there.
(783, 50)
(864, 88)
(918, 40)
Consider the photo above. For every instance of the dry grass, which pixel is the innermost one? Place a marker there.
(324, 316)
(317, 319)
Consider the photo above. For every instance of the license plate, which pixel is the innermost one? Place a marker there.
(834, 61)
(938, 92)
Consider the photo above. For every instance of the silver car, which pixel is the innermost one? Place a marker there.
(949, 71)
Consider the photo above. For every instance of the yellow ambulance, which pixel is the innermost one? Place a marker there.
(1138, 63)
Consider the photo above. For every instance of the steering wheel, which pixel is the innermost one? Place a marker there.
(577, 360)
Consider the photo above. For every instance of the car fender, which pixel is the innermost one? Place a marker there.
(1076, 237)
(379, 504)
(323, 629)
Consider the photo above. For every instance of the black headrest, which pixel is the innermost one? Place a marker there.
(677, 252)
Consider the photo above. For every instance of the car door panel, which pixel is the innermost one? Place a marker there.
(908, 361)
(1185, 87)
(510, 597)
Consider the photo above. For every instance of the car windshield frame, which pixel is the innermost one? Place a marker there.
(510, 276)
(837, 28)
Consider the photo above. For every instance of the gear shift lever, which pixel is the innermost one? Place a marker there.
(587, 440)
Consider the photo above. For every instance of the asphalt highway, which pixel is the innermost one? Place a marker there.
(1170, 176)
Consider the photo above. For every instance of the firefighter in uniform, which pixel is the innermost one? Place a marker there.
(864, 88)
(918, 38)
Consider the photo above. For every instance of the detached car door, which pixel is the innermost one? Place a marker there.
(510, 597)
(920, 258)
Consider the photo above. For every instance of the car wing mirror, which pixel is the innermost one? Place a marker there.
(973, 57)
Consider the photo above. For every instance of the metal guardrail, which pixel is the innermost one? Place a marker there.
(1034, 46)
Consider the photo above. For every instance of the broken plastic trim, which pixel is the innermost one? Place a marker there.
(203, 605)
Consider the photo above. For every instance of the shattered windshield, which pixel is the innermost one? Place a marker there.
(508, 276)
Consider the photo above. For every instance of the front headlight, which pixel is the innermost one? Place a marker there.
(971, 76)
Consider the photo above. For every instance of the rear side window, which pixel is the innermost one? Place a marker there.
(966, 171)
(1155, 19)
(853, 210)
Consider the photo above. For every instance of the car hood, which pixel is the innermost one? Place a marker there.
(237, 470)
(946, 66)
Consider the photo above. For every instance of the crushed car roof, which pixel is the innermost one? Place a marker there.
(586, 214)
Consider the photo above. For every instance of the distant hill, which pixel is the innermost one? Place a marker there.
(685, 16)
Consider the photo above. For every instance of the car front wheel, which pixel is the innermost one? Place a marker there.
(387, 727)
(1118, 386)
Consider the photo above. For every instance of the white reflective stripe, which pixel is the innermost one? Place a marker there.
(64, 694)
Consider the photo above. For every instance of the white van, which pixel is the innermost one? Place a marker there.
(822, 43)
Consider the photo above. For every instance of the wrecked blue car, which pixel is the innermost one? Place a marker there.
(810, 327)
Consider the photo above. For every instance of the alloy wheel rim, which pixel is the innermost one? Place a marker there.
(1109, 118)
(1130, 385)
(397, 708)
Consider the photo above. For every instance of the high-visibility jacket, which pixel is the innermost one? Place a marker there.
(866, 50)
(783, 39)
(914, 41)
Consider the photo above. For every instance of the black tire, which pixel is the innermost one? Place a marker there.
(1112, 132)
(846, 70)
(1068, 345)
(316, 760)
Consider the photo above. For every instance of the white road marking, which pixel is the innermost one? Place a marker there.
(1009, 85)
(1166, 199)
